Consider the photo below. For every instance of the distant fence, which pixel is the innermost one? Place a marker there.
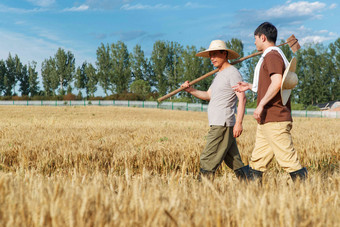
(152, 104)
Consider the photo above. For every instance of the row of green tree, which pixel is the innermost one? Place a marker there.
(117, 71)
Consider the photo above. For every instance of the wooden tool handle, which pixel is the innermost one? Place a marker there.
(191, 83)
(246, 57)
(205, 76)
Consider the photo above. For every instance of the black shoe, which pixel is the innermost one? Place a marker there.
(255, 175)
(301, 174)
(205, 173)
(242, 173)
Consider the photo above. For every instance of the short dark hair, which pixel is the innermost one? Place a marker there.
(267, 29)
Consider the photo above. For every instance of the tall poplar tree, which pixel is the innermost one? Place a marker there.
(121, 76)
(24, 81)
(159, 64)
(49, 76)
(65, 68)
(33, 79)
(192, 66)
(174, 68)
(104, 67)
(237, 46)
(138, 63)
(92, 80)
(10, 76)
(20, 76)
(3, 72)
(141, 73)
(335, 69)
(313, 84)
(86, 78)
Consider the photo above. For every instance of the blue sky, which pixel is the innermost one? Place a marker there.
(35, 29)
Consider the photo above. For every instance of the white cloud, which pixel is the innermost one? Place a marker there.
(6, 9)
(31, 29)
(42, 3)
(323, 31)
(47, 35)
(188, 5)
(145, 7)
(314, 39)
(20, 22)
(333, 6)
(27, 48)
(290, 14)
(307, 35)
(38, 48)
(134, 7)
(106, 4)
(77, 9)
(194, 5)
(296, 9)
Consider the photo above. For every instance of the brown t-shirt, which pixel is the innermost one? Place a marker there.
(274, 110)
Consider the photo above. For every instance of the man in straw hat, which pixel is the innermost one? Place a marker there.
(224, 128)
(273, 111)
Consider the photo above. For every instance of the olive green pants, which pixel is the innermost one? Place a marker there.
(221, 146)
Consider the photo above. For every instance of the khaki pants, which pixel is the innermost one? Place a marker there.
(274, 138)
(221, 146)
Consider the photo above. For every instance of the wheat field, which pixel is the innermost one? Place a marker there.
(119, 166)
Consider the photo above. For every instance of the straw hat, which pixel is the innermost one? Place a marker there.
(218, 45)
(289, 81)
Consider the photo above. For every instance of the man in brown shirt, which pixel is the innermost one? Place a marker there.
(274, 119)
(274, 110)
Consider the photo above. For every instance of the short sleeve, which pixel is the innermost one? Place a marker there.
(235, 77)
(274, 63)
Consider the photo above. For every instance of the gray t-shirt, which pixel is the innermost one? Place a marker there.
(222, 105)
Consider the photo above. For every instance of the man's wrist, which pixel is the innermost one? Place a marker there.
(261, 104)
